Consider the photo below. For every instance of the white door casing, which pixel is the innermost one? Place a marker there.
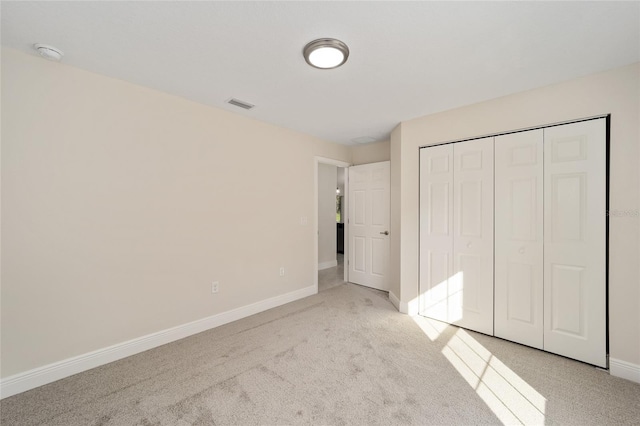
(473, 233)
(436, 231)
(575, 241)
(519, 237)
(369, 210)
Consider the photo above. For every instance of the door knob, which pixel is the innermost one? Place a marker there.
(385, 233)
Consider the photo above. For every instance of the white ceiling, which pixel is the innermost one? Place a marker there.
(408, 59)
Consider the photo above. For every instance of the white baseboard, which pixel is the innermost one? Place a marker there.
(327, 265)
(394, 300)
(410, 308)
(31, 379)
(624, 369)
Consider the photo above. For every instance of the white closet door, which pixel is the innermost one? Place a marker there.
(575, 241)
(436, 233)
(519, 237)
(472, 278)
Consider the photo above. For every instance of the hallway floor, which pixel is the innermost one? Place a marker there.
(332, 277)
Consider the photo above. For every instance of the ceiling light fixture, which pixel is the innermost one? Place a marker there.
(326, 53)
(49, 52)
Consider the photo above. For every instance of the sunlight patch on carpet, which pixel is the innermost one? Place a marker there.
(432, 328)
(510, 398)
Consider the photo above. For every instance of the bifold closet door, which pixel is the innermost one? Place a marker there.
(519, 237)
(575, 241)
(436, 233)
(473, 234)
(456, 234)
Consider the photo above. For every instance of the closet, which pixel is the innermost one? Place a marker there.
(456, 233)
(513, 237)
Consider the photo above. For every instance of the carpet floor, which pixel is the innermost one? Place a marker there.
(343, 356)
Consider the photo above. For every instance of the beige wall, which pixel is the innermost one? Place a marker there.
(121, 204)
(327, 183)
(616, 92)
(370, 153)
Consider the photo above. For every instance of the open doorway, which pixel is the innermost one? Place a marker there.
(331, 213)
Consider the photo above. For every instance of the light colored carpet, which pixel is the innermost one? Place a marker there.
(344, 356)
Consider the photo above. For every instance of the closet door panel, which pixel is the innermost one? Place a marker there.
(575, 241)
(519, 237)
(437, 288)
(473, 235)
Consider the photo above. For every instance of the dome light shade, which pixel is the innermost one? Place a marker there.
(49, 52)
(326, 53)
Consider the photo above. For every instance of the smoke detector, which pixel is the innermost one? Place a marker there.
(49, 52)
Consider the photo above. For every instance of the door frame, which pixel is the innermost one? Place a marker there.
(345, 201)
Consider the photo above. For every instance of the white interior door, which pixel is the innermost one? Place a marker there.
(369, 208)
(575, 241)
(473, 234)
(437, 300)
(519, 237)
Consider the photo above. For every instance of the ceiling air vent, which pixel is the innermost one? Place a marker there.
(239, 103)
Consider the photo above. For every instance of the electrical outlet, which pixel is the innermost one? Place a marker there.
(214, 286)
(282, 271)
(303, 220)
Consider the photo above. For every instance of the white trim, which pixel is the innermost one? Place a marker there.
(624, 369)
(31, 379)
(337, 163)
(327, 265)
(403, 307)
(409, 308)
(345, 220)
(394, 300)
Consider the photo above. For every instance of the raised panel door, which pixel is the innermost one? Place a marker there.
(369, 209)
(472, 290)
(436, 286)
(519, 237)
(575, 241)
